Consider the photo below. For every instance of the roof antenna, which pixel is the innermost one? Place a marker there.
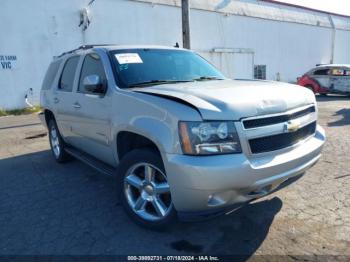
(177, 45)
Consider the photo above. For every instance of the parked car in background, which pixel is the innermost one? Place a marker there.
(327, 79)
(180, 138)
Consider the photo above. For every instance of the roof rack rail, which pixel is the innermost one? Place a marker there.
(82, 47)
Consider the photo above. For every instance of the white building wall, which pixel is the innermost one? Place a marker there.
(34, 31)
(289, 49)
(128, 22)
(342, 50)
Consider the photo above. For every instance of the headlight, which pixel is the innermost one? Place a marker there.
(209, 138)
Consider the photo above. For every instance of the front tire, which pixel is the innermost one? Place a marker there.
(144, 189)
(56, 143)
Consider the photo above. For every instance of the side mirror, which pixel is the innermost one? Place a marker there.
(93, 84)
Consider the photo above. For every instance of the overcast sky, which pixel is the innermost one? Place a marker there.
(334, 6)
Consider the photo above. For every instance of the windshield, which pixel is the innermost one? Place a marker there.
(140, 67)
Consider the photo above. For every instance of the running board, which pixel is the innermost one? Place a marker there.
(91, 161)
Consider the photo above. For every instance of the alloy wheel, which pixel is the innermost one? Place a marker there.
(147, 192)
(55, 142)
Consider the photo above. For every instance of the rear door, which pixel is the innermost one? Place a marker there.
(63, 97)
(91, 127)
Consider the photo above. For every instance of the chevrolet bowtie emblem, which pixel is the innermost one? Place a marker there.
(292, 126)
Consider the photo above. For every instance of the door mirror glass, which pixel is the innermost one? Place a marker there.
(93, 84)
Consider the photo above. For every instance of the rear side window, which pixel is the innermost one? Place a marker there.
(50, 75)
(92, 66)
(67, 77)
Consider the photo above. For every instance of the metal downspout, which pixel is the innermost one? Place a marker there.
(333, 38)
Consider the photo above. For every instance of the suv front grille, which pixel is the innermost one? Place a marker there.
(280, 141)
(259, 122)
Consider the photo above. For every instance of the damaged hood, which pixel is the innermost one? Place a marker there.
(234, 99)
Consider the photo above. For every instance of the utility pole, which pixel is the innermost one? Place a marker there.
(186, 40)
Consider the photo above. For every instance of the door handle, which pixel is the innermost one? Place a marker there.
(76, 105)
(56, 100)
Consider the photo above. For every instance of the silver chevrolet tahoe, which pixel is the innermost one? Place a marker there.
(180, 138)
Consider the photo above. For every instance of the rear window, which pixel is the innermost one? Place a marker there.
(50, 75)
(68, 74)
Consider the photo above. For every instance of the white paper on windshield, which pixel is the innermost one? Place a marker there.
(128, 58)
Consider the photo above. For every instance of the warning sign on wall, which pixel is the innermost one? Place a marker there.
(7, 61)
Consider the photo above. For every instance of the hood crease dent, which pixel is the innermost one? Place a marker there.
(234, 99)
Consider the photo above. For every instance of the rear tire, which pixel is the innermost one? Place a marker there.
(144, 189)
(56, 143)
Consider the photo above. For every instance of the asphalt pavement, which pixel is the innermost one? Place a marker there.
(50, 208)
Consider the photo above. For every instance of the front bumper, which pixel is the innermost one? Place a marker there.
(206, 184)
(190, 216)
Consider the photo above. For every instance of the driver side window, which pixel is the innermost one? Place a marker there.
(92, 65)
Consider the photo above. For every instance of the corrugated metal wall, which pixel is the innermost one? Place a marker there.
(234, 35)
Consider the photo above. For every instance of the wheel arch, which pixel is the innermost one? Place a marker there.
(126, 141)
(309, 82)
(146, 131)
(48, 116)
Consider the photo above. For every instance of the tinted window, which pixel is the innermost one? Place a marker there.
(321, 72)
(50, 74)
(92, 66)
(67, 77)
(135, 66)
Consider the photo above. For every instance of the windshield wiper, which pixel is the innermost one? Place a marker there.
(161, 82)
(158, 82)
(204, 78)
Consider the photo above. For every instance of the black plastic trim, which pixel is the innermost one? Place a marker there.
(259, 122)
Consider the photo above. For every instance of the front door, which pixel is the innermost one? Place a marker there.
(92, 111)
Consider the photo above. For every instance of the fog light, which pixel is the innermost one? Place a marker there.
(215, 200)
